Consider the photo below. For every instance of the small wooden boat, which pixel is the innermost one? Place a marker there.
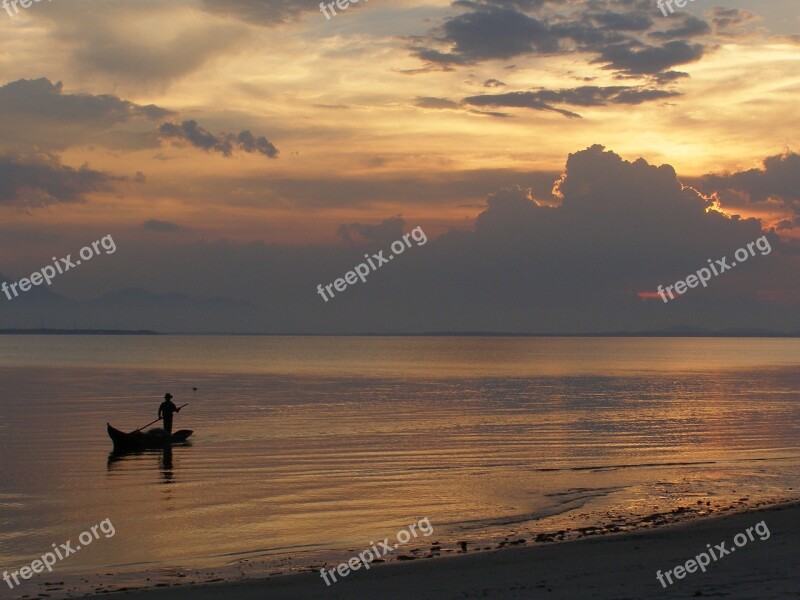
(138, 440)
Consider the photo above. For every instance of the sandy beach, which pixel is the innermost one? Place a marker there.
(611, 566)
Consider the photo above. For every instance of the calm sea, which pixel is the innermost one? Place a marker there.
(311, 447)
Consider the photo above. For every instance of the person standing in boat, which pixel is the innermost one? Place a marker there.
(165, 411)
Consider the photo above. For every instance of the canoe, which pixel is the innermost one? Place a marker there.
(138, 440)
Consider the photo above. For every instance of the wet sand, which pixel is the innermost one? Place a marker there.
(609, 566)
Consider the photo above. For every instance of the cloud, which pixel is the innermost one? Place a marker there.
(37, 113)
(580, 96)
(43, 98)
(787, 224)
(613, 34)
(43, 180)
(517, 100)
(778, 180)
(262, 12)
(436, 103)
(731, 21)
(140, 43)
(620, 228)
(633, 58)
(691, 27)
(249, 143)
(162, 226)
(191, 133)
(498, 33)
(621, 21)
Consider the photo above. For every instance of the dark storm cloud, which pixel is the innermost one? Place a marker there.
(580, 96)
(386, 231)
(161, 226)
(777, 180)
(40, 181)
(225, 143)
(614, 32)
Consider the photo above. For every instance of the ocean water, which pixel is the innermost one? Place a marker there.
(308, 448)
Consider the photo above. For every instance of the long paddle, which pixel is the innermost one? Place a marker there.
(157, 420)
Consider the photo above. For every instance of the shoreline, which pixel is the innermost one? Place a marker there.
(614, 565)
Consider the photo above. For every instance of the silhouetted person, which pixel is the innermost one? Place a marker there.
(166, 410)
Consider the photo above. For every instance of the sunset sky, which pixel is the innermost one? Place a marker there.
(240, 152)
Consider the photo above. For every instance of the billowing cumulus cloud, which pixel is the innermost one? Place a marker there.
(621, 228)
(189, 132)
(777, 181)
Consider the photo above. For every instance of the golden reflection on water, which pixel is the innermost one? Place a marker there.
(327, 443)
(435, 357)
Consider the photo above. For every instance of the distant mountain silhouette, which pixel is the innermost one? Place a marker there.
(128, 309)
(39, 295)
(76, 332)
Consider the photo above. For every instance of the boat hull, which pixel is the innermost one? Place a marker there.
(138, 441)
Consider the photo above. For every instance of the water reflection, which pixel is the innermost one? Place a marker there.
(165, 464)
(129, 461)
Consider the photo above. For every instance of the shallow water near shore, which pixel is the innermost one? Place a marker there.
(308, 449)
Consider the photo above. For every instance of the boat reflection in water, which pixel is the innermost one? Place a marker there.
(117, 460)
